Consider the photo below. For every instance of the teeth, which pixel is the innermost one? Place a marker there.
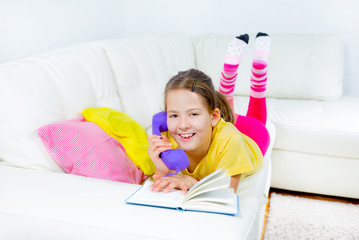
(187, 135)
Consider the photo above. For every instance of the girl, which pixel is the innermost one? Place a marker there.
(201, 122)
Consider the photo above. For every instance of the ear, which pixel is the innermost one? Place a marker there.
(216, 116)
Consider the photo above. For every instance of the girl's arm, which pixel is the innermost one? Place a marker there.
(234, 182)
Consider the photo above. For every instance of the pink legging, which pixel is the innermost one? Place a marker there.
(253, 124)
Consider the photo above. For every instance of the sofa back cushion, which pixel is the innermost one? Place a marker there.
(48, 88)
(300, 66)
(142, 66)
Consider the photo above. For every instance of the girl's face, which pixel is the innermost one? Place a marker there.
(189, 122)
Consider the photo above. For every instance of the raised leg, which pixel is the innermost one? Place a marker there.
(231, 62)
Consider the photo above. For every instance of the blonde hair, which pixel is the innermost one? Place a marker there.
(200, 83)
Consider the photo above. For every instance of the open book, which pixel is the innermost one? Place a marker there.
(211, 194)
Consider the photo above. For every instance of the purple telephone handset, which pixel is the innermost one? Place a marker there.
(175, 159)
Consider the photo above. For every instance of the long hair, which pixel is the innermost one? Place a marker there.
(198, 82)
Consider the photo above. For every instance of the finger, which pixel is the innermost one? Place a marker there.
(170, 187)
(165, 138)
(154, 145)
(154, 185)
(161, 143)
(153, 137)
(181, 186)
(184, 190)
(157, 151)
(163, 182)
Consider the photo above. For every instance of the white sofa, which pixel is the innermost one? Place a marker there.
(39, 201)
(314, 135)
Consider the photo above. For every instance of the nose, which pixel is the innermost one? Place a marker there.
(184, 123)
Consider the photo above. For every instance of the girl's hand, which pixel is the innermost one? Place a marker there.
(157, 145)
(182, 182)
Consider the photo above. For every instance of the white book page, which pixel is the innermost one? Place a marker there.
(216, 180)
(224, 195)
(231, 208)
(145, 196)
(209, 178)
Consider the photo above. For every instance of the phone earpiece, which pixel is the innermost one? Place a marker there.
(175, 159)
(159, 123)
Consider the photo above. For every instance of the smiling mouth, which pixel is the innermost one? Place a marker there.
(187, 135)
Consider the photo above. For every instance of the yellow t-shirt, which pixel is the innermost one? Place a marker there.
(230, 150)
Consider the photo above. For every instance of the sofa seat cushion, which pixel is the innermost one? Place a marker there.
(314, 127)
(98, 204)
(321, 174)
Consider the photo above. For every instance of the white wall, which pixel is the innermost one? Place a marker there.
(30, 26)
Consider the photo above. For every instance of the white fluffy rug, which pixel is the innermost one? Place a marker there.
(302, 218)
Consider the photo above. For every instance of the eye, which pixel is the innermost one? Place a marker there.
(172, 116)
(194, 114)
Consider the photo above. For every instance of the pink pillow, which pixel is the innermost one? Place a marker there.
(84, 149)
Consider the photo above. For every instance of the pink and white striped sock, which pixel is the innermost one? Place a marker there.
(231, 62)
(259, 66)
